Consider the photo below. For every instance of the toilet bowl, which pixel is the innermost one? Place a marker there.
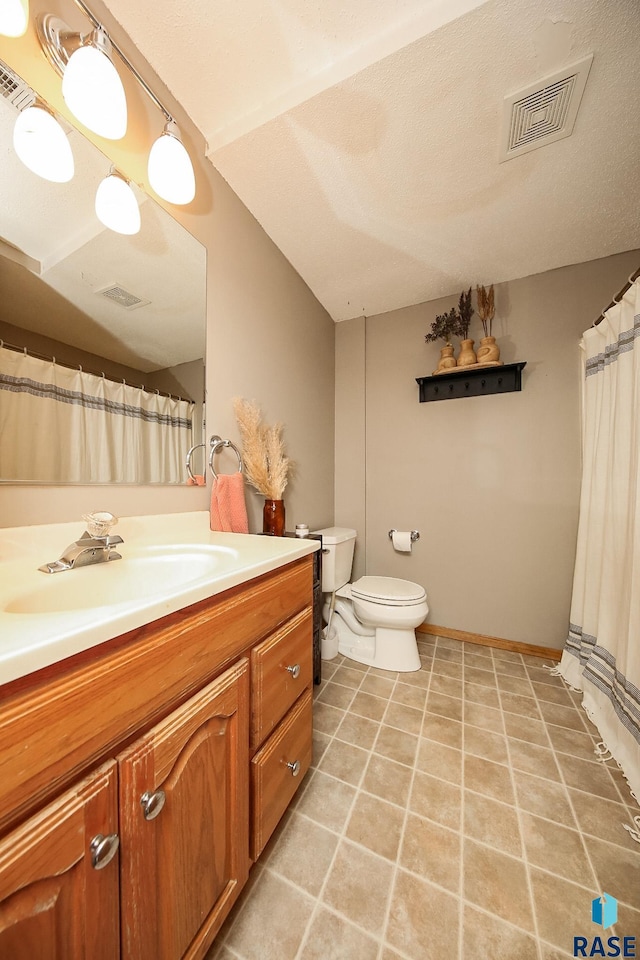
(375, 617)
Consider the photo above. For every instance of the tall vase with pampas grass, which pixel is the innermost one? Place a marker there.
(465, 311)
(266, 466)
(489, 351)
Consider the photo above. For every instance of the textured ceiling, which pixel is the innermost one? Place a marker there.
(364, 137)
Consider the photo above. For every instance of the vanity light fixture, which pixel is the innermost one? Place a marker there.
(116, 204)
(92, 88)
(42, 145)
(14, 17)
(171, 173)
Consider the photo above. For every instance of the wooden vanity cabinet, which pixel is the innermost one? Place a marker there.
(178, 741)
(53, 902)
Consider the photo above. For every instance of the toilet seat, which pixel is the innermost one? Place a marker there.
(388, 591)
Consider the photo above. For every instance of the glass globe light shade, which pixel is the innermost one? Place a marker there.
(93, 90)
(170, 169)
(14, 17)
(42, 144)
(116, 205)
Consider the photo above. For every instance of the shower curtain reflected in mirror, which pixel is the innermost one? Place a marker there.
(64, 425)
(602, 653)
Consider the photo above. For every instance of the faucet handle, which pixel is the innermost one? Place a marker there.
(99, 523)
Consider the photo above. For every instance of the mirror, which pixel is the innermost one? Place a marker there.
(129, 308)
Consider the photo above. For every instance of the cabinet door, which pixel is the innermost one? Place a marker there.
(55, 904)
(184, 823)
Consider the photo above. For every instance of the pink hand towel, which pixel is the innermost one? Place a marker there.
(228, 510)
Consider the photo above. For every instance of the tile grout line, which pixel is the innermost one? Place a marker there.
(396, 866)
(577, 822)
(343, 834)
(523, 846)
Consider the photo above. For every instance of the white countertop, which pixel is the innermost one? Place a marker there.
(168, 562)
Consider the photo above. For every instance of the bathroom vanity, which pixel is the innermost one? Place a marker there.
(141, 774)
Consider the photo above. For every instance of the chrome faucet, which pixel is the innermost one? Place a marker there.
(84, 551)
(94, 546)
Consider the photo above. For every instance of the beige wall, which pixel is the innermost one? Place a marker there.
(491, 483)
(268, 338)
(351, 477)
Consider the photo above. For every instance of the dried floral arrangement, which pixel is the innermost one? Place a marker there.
(266, 465)
(486, 308)
(444, 327)
(465, 312)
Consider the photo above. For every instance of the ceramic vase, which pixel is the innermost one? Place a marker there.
(447, 359)
(273, 518)
(488, 351)
(467, 354)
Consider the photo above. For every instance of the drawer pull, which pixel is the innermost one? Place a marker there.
(294, 767)
(294, 670)
(152, 803)
(103, 849)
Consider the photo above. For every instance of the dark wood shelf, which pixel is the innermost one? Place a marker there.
(471, 382)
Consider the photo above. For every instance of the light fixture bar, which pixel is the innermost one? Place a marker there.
(147, 89)
(170, 162)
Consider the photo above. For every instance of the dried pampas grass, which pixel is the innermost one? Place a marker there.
(486, 308)
(266, 466)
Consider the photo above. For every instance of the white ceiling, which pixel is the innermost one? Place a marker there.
(364, 136)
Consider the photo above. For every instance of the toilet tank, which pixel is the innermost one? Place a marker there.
(337, 556)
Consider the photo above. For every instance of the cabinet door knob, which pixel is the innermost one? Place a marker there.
(103, 849)
(294, 670)
(294, 767)
(152, 803)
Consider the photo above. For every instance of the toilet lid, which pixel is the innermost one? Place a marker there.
(388, 590)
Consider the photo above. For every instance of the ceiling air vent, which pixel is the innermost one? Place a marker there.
(544, 112)
(14, 89)
(117, 293)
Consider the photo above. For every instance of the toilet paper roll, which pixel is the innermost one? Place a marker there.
(401, 540)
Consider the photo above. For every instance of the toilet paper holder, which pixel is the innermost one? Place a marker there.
(415, 535)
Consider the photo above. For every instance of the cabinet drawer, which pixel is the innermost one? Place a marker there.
(273, 781)
(281, 668)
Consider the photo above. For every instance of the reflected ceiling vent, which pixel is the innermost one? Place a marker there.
(14, 89)
(544, 112)
(117, 293)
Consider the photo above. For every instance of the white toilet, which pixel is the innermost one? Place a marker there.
(375, 617)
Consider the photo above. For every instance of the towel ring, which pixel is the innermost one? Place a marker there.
(217, 442)
(189, 455)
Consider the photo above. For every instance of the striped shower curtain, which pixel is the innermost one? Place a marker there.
(60, 425)
(602, 653)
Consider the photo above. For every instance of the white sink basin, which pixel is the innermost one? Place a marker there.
(142, 573)
(169, 562)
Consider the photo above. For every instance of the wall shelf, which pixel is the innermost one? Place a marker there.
(471, 382)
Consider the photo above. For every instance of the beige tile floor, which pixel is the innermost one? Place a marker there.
(456, 812)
